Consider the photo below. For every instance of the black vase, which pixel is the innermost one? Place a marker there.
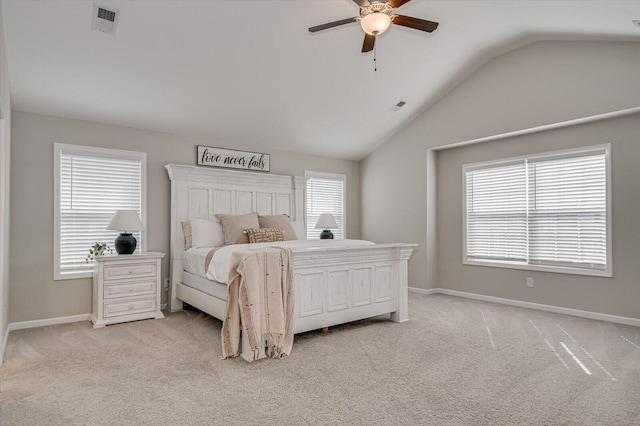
(125, 243)
(326, 235)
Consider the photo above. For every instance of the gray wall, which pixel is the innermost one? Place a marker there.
(34, 293)
(5, 170)
(619, 295)
(539, 84)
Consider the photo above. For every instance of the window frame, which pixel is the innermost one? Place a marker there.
(91, 151)
(310, 174)
(607, 272)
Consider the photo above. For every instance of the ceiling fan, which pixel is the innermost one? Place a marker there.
(375, 18)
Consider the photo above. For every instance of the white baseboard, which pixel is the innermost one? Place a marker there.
(549, 308)
(423, 290)
(47, 321)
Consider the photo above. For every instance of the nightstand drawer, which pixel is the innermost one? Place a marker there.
(136, 288)
(116, 272)
(113, 309)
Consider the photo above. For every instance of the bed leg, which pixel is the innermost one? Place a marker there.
(325, 329)
(402, 314)
(175, 304)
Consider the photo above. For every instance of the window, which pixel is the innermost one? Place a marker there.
(90, 185)
(545, 212)
(325, 194)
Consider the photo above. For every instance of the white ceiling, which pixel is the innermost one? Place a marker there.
(249, 72)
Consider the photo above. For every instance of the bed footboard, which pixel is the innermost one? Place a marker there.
(340, 285)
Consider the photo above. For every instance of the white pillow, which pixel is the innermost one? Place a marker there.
(206, 233)
(300, 229)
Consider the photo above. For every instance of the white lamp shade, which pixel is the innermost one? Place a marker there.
(125, 220)
(326, 221)
(375, 23)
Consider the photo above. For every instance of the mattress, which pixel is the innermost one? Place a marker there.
(212, 288)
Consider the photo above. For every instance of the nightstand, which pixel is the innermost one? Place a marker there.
(126, 288)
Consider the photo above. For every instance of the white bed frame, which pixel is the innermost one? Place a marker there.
(333, 286)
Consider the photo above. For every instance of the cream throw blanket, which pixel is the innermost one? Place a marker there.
(260, 302)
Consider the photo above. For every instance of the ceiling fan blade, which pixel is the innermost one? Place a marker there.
(369, 42)
(363, 3)
(332, 24)
(416, 23)
(397, 3)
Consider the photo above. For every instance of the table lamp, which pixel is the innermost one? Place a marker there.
(125, 221)
(326, 221)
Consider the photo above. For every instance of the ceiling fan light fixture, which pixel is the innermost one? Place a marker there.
(375, 23)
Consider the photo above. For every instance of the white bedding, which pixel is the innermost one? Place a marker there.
(193, 260)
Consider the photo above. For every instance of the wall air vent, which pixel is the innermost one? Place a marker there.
(104, 19)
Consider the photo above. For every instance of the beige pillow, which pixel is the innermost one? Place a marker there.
(265, 235)
(188, 237)
(279, 221)
(234, 225)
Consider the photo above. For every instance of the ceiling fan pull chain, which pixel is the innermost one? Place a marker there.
(375, 63)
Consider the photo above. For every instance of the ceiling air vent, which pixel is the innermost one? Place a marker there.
(397, 106)
(104, 19)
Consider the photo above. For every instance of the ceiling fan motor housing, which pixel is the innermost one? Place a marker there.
(375, 8)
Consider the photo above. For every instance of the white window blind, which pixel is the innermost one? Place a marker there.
(547, 211)
(325, 194)
(92, 185)
(497, 212)
(568, 212)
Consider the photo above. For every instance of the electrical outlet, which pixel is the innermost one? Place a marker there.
(166, 283)
(529, 282)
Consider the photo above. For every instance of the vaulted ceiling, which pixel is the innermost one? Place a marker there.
(250, 73)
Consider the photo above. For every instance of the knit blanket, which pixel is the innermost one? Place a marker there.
(260, 303)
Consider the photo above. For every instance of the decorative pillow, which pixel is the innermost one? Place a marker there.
(279, 221)
(265, 235)
(206, 233)
(186, 230)
(234, 225)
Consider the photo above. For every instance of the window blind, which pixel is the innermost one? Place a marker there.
(548, 210)
(325, 194)
(568, 212)
(497, 212)
(91, 189)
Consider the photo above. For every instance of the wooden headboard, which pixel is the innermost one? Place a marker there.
(202, 192)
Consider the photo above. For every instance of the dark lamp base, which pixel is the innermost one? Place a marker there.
(125, 243)
(326, 235)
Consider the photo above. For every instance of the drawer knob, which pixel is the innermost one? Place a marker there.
(130, 288)
(131, 271)
(130, 307)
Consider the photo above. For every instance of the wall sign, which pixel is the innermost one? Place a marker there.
(230, 158)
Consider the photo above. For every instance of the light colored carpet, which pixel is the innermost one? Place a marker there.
(457, 362)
